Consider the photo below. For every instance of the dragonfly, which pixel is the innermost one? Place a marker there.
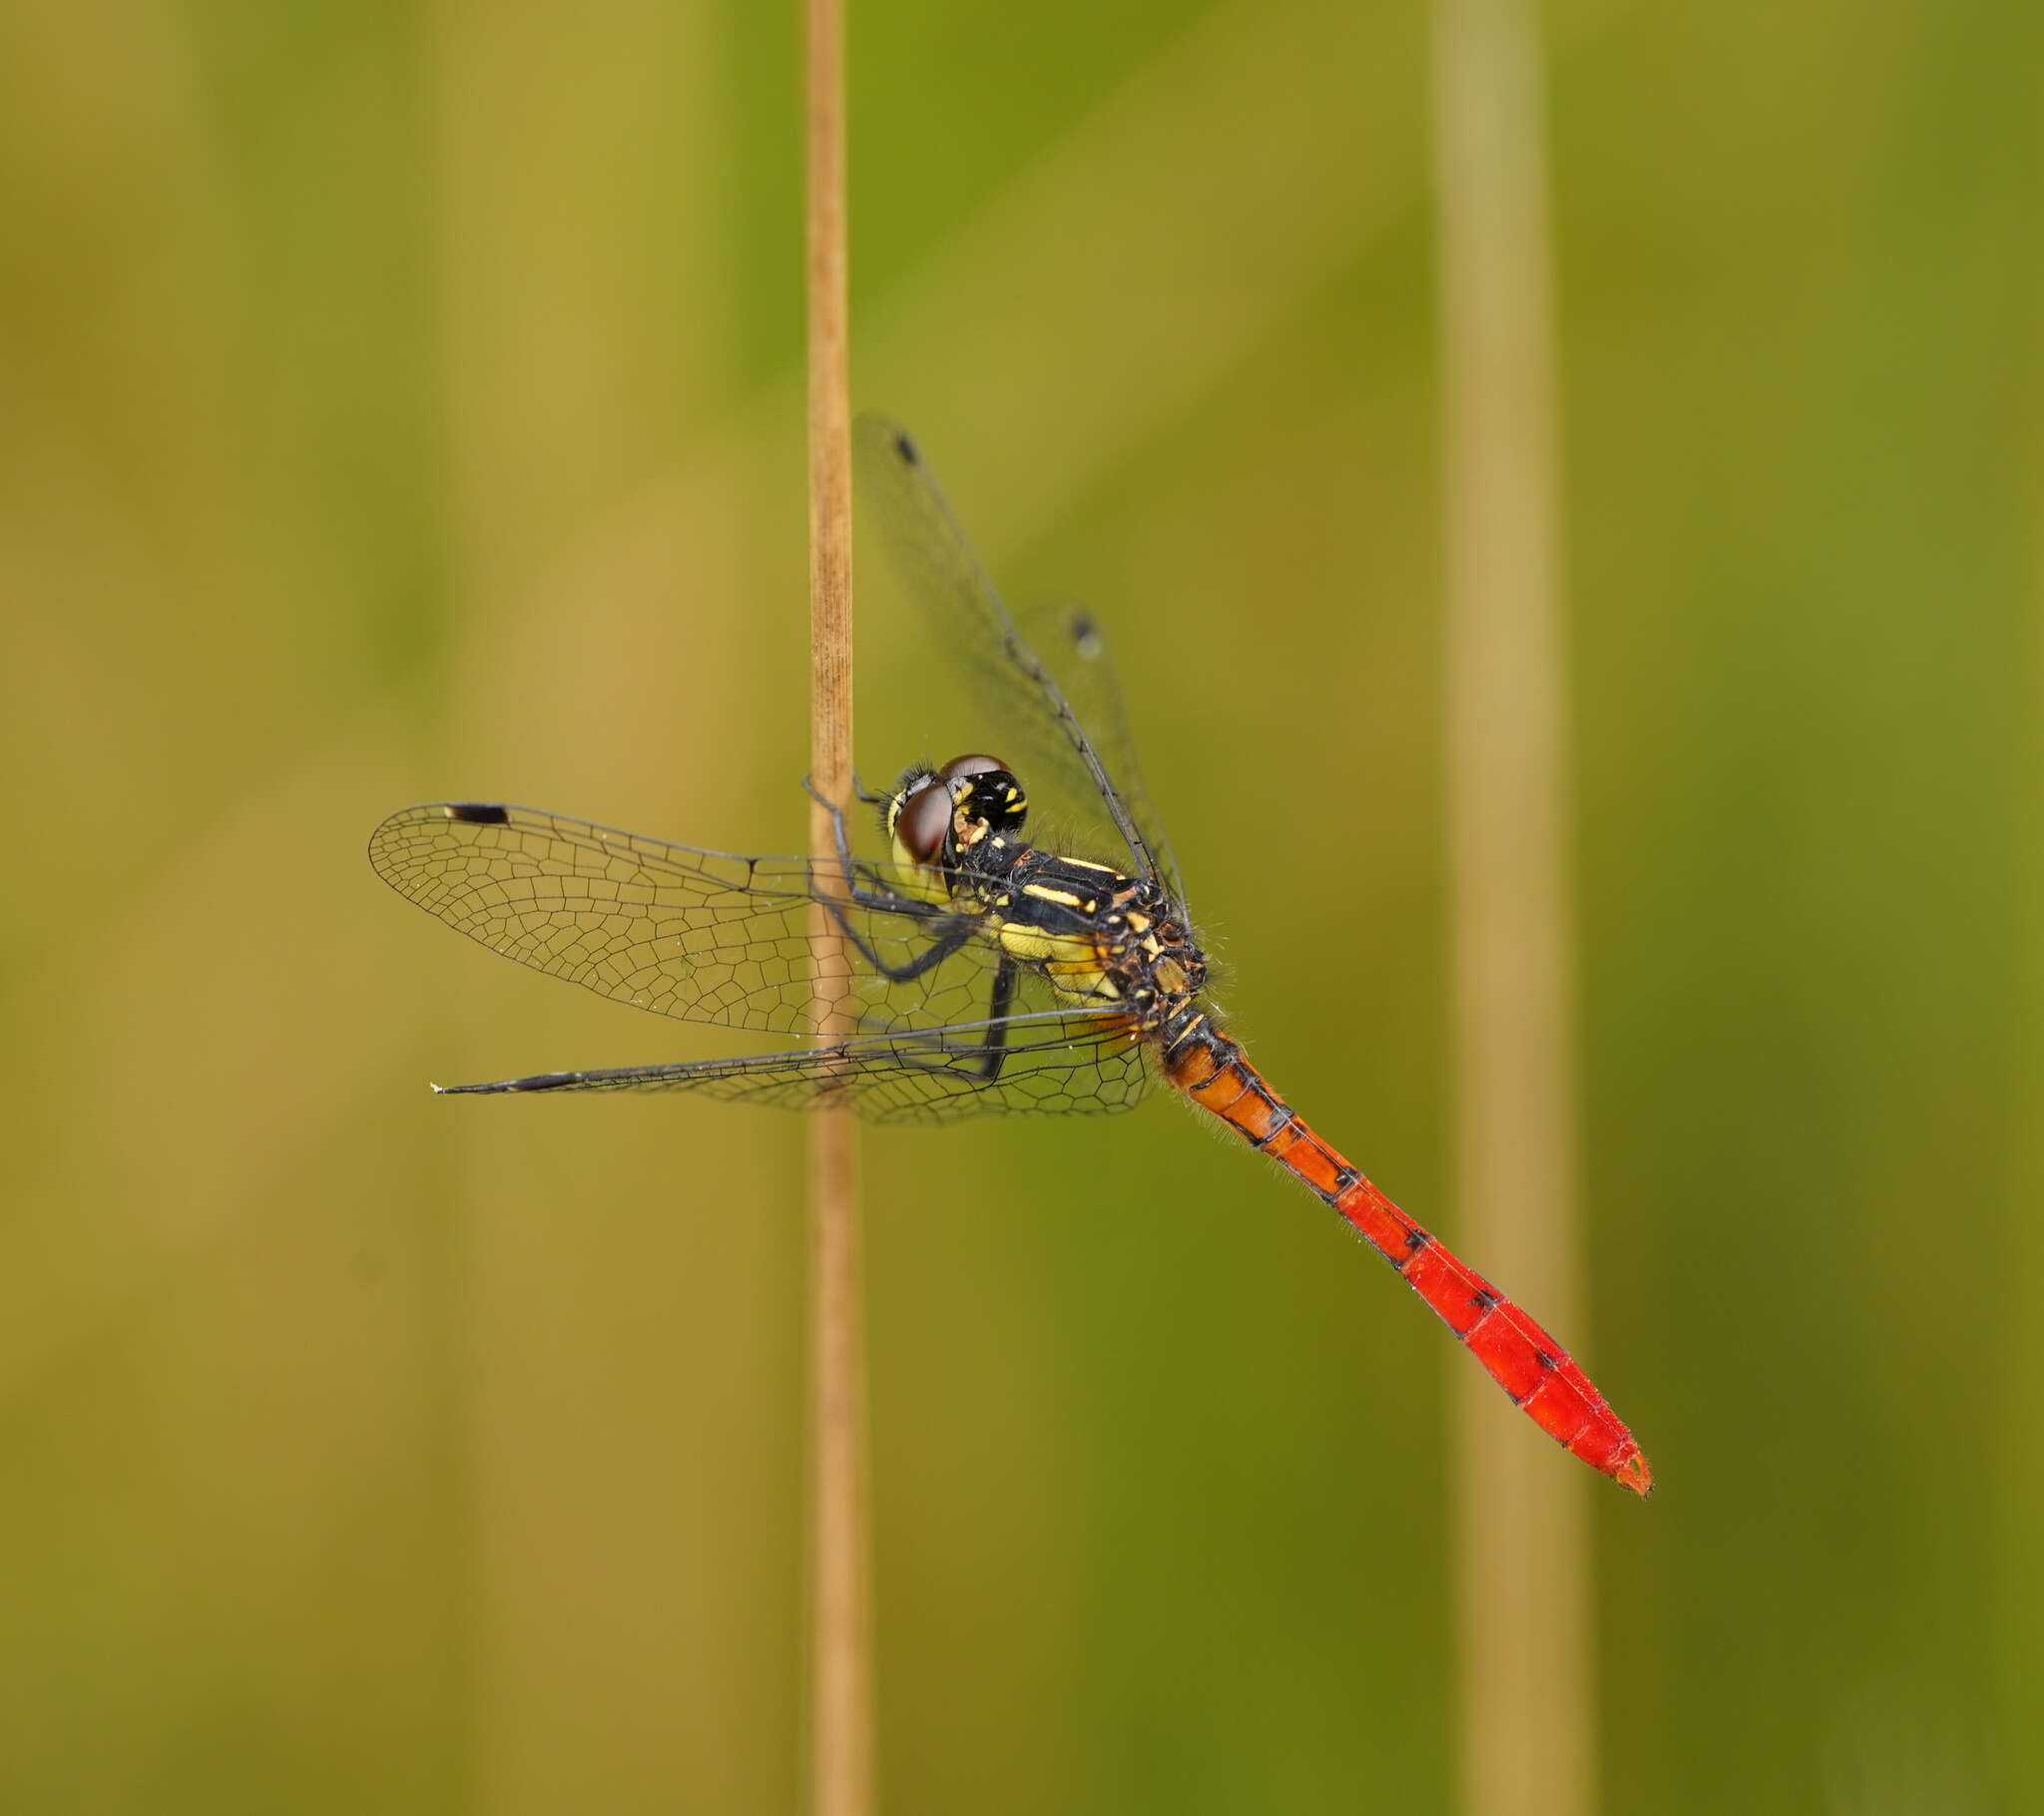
(972, 970)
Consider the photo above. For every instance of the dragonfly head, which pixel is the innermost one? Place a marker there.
(935, 816)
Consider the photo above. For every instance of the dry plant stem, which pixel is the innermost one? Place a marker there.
(1527, 1718)
(841, 1758)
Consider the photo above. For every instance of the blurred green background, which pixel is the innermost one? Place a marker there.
(404, 403)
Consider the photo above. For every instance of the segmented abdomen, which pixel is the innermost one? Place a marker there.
(1520, 1356)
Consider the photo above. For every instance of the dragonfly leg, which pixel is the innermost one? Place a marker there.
(836, 814)
(990, 1054)
(861, 881)
(866, 796)
(838, 832)
(941, 946)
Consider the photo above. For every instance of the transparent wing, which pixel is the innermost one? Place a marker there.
(1077, 654)
(704, 936)
(1072, 766)
(1050, 1062)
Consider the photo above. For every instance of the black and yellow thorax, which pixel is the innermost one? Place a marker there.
(1094, 933)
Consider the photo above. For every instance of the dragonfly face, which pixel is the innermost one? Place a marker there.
(935, 816)
(980, 972)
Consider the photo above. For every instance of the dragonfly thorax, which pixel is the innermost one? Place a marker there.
(1095, 933)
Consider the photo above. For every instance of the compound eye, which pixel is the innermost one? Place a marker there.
(924, 822)
(961, 766)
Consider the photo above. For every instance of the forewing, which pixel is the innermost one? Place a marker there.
(704, 936)
(1062, 767)
(1077, 654)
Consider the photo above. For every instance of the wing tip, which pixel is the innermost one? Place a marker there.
(882, 434)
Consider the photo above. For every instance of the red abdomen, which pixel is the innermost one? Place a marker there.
(1520, 1356)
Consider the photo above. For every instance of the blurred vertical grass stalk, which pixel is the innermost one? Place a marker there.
(1527, 1721)
(841, 1697)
